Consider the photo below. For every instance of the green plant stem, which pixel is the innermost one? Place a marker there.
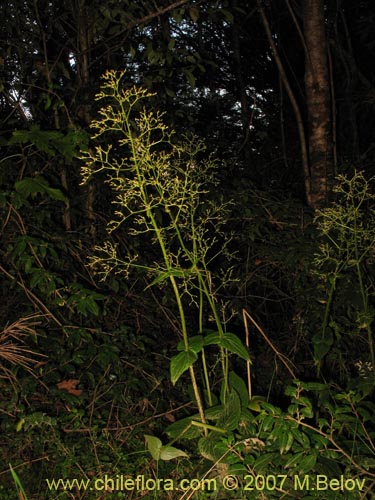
(186, 343)
(363, 291)
(211, 301)
(204, 363)
(204, 290)
(329, 303)
(366, 315)
(157, 230)
(181, 313)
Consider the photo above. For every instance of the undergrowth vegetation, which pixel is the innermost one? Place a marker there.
(213, 333)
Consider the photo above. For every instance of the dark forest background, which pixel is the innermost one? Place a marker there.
(282, 92)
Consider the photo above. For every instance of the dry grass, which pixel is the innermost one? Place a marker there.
(13, 350)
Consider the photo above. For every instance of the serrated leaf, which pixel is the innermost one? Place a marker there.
(180, 363)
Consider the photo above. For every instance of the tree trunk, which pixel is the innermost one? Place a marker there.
(293, 101)
(318, 104)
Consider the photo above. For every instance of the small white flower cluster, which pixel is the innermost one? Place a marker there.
(364, 368)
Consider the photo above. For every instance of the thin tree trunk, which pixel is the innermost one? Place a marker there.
(293, 101)
(83, 42)
(318, 104)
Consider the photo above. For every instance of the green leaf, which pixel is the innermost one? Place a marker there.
(31, 186)
(170, 92)
(270, 408)
(177, 273)
(170, 452)
(195, 344)
(184, 428)
(38, 277)
(302, 438)
(207, 447)
(91, 306)
(213, 338)
(231, 342)
(239, 386)
(194, 14)
(307, 463)
(20, 490)
(294, 460)
(264, 462)
(267, 423)
(228, 15)
(42, 139)
(70, 145)
(255, 402)
(232, 412)
(228, 341)
(190, 77)
(160, 452)
(154, 446)
(50, 141)
(286, 442)
(55, 194)
(20, 425)
(177, 15)
(214, 412)
(322, 344)
(48, 103)
(314, 386)
(246, 423)
(180, 363)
